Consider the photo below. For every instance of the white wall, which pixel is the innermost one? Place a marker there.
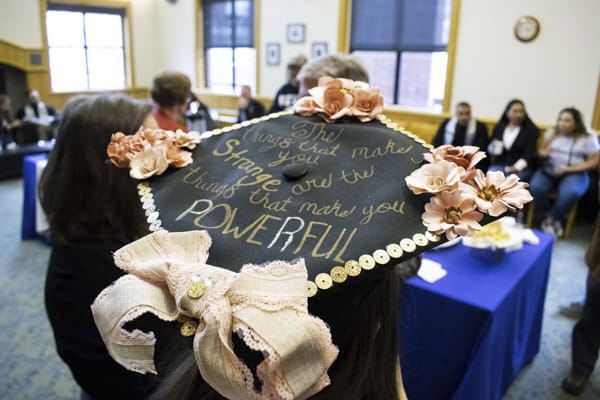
(146, 54)
(20, 22)
(321, 19)
(175, 37)
(560, 68)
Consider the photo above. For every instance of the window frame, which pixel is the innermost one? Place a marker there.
(121, 8)
(344, 46)
(201, 66)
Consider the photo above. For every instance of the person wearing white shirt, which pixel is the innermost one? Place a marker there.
(569, 152)
(513, 147)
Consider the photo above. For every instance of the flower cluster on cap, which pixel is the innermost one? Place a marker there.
(461, 193)
(335, 98)
(150, 151)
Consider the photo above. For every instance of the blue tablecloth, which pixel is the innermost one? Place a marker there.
(29, 230)
(468, 335)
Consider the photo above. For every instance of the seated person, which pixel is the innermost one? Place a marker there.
(569, 152)
(34, 108)
(249, 107)
(7, 122)
(462, 130)
(197, 116)
(171, 95)
(335, 65)
(288, 94)
(514, 142)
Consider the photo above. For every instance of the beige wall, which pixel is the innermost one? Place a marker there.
(560, 68)
(321, 20)
(20, 22)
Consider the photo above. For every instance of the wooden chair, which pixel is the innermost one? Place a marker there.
(570, 216)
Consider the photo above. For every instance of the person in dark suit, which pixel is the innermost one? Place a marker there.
(462, 129)
(514, 142)
(248, 107)
(93, 209)
(288, 94)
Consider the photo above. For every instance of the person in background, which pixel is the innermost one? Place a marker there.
(171, 93)
(34, 108)
(7, 122)
(568, 153)
(288, 94)
(462, 129)
(586, 333)
(514, 142)
(334, 65)
(249, 107)
(197, 116)
(92, 209)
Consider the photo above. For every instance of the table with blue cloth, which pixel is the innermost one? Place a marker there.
(468, 335)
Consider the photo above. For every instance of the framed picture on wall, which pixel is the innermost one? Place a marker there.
(318, 49)
(273, 54)
(295, 33)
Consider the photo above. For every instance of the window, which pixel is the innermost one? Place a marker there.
(86, 47)
(405, 51)
(229, 44)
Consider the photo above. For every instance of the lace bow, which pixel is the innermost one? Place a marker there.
(266, 305)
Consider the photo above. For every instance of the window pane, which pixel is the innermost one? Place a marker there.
(219, 67)
(422, 79)
(375, 36)
(103, 30)
(381, 66)
(64, 28)
(106, 70)
(244, 23)
(426, 23)
(218, 23)
(245, 67)
(68, 69)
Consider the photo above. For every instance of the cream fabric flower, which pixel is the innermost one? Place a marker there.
(151, 161)
(434, 178)
(453, 214)
(495, 194)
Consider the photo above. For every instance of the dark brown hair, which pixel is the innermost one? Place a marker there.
(170, 89)
(580, 129)
(83, 196)
(364, 370)
(527, 122)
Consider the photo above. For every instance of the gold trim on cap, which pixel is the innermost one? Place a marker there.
(366, 262)
(394, 250)
(381, 257)
(420, 239)
(312, 288)
(323, 281)
(338, 274)
(408, 245)
(189, 328)
(352, 267)
(432, 237)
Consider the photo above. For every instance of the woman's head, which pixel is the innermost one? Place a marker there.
(83, 196)
(171, 90)
(570, 122)
(515, 113)
(336, 66)
(5, 110)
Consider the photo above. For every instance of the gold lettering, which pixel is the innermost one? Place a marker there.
(260, 227)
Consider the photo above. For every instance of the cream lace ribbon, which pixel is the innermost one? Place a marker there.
(266, 305)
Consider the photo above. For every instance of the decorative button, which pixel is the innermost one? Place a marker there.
(323, 281)
(189, 328)
(312, 289)
(366, 262)
(294, 171)
(408, 245)
(432, 237)
(196, 288)
(381, 257)
(420, 239)
(338, 274)
(352, 268)
(394, 250)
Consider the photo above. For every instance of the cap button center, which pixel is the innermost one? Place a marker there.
(294, 171)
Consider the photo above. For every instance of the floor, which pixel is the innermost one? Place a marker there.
(30, 368)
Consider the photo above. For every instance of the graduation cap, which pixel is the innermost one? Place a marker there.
(336, 184)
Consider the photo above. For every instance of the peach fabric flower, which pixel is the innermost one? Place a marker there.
(178, 157)
(368, 103)
(463, 156)
(305, 106)
(151, 161)
(332, 98)
(434, 178)
(122, 148)
(494, 193)
(186, 139)
(453, 214)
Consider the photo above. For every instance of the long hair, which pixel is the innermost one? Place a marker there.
(527, 122)
(83, 196)
(364, 370)
(580, 128)
(5, 110)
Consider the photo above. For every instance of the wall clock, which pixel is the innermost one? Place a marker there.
(527, 28)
